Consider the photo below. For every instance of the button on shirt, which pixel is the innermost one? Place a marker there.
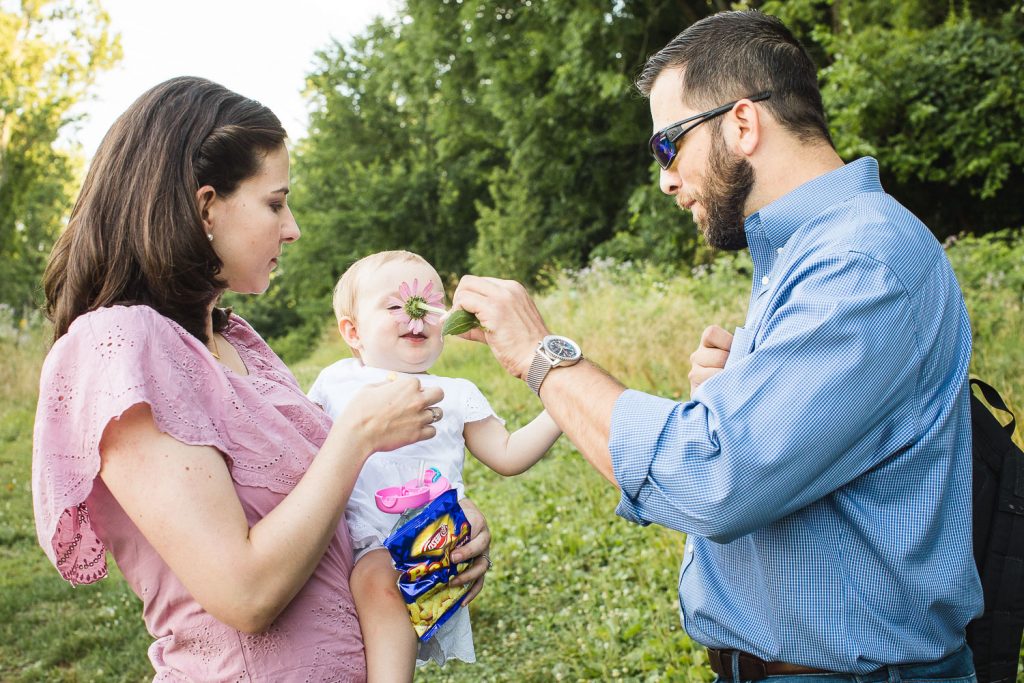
(824, 476)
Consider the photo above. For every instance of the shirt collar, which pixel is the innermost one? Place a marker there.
(771, 227)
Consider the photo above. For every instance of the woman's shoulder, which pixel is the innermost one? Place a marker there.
(113, 331)
(125, 319)
(123, 346)
(109, 360)
(120, 314)
(242, 334)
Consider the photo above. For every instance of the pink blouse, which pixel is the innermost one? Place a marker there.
(268, 431)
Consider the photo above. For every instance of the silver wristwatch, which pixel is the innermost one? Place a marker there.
(552, 352)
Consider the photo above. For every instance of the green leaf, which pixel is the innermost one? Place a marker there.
(459, 321)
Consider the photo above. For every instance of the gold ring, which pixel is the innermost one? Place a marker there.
(435, 414)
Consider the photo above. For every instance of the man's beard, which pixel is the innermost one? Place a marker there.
(727, 185)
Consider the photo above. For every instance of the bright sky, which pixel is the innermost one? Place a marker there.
(260, 48)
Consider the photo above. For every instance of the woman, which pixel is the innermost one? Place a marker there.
(169, 433)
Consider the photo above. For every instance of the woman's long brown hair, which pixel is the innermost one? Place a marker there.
(136, 234)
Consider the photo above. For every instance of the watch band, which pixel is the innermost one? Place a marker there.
(539, 369)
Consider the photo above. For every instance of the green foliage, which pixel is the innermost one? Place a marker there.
(508, 141)
(50, 55)
(991, 272)
(655, 231)
(946, 114)
(560, 84)
(504, 140)
(932, 90)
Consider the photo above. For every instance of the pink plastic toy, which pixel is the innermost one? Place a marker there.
(413, 494)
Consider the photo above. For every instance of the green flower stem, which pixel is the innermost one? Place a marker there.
(427, 308)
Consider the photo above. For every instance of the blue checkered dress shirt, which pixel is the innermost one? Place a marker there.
(824, 477)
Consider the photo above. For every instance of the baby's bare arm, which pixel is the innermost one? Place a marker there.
(514, 453)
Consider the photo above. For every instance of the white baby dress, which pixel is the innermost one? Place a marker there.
(333, 389)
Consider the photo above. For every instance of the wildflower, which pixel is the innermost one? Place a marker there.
(415, 308)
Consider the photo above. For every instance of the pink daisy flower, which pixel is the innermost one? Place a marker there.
(415, 308)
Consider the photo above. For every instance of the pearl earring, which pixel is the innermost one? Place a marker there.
(210, 235)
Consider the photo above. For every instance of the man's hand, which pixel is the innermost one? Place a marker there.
(511, 323)
(710, 356)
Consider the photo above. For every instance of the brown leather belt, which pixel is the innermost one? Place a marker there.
(754, 668)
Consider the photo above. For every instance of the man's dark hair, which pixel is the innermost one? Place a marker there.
(731, 55)
(135, 235)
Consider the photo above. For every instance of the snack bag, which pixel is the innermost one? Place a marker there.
(421, 549)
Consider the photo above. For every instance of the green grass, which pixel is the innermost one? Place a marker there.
(575, 593)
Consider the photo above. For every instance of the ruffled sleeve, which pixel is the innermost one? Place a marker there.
(475, 404)
(110, 360)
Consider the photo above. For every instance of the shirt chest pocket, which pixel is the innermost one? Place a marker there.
(742, 345)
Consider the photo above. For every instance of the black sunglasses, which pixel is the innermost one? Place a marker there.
(663, 143)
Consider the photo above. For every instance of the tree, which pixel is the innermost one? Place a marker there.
(50, 55)
(560, 85)
(393, 160)
(506, 138)
(932, 90)
(502, 139)
(397, 157)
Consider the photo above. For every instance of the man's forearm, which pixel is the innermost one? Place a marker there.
(581, 400)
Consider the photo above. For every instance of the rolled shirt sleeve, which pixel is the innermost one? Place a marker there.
(635, 442)
(785, 423)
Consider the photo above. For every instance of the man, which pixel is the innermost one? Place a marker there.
(822, 466)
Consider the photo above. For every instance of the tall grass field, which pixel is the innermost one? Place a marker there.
(576, 593)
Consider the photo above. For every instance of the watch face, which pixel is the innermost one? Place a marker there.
(562, 348)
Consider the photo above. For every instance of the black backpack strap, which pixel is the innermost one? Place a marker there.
(997, 402)
(992, 441)
(998, 533)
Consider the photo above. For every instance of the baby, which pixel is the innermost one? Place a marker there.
(370, 304)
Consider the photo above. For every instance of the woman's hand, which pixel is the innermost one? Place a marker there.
(389, 415)
(476, 549)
